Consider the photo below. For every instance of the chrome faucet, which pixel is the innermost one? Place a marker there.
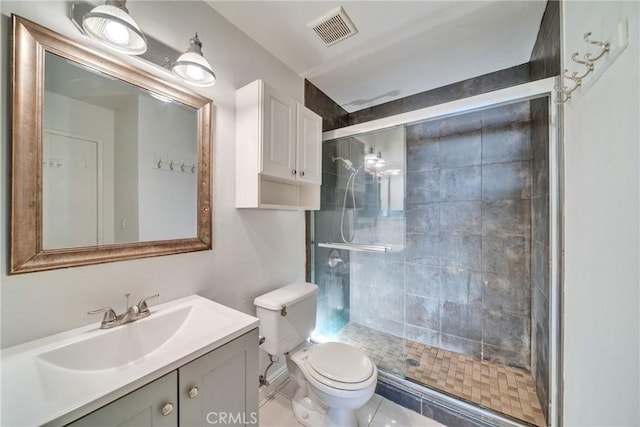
(131, 314)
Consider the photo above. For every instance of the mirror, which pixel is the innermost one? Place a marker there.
(109, 161)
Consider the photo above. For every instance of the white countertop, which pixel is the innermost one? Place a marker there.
(36, 392)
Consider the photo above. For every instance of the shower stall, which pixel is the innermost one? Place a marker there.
(432, 251)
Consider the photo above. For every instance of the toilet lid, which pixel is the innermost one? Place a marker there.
(340, 362)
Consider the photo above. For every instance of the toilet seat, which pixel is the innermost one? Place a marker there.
(339, 366)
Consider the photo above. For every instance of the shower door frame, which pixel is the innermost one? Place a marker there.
(523, 92)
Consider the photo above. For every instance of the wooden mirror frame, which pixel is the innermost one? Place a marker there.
(30, 42)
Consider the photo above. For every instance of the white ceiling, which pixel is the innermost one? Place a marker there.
(401, 48)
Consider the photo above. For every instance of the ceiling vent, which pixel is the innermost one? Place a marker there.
(333, 27)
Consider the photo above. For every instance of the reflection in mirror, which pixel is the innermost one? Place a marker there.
(109, 162)
(384, 181)
(119, 164)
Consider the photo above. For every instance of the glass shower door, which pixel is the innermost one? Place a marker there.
(359, 237)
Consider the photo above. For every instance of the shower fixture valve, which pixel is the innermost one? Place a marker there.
(334, 259)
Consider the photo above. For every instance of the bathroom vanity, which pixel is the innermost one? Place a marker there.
(191, 362)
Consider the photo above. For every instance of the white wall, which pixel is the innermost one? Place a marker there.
(86, 120)
(167, 200)
(254, 251)
(601, 279)
(126, 157)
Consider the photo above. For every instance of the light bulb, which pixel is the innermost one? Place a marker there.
(117, 33)
(195, 73)
(370, 158)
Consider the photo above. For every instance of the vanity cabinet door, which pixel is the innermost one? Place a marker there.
(155, 404)
(221, 387)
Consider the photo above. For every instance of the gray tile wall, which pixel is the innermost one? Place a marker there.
(468, 234)
(544, 62)
(333, 115)
(540, 251)
(474, 86)
(545, 56)
(377, 291)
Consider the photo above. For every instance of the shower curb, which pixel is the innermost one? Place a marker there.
(438, 406)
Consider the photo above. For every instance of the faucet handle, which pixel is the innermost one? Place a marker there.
(109, 315)
(142, 305)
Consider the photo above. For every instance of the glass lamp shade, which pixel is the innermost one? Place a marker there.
(113, 27)
(370, 158)
(192, 67)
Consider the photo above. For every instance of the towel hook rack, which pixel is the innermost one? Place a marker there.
(588, 61)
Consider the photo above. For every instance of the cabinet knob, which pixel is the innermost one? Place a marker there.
(193, 392)
(301, 173)
(167, 409)
(293, 172)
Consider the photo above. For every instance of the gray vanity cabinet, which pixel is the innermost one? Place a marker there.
(155, 404)
(219, 388)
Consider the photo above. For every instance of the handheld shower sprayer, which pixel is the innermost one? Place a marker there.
(348, 164)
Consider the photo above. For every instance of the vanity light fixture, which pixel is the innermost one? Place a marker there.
(111, 25)
(380, 162)
(192, 67)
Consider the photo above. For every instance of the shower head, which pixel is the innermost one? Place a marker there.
(348, 164)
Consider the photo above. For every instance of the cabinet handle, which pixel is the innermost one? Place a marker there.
(167, 409)
(293, 171)
(193, 392)
(301, 173)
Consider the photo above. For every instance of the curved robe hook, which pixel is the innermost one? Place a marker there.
(602, 45)
(586, 63)
(562, 97)
(574, 77)
(565, 92)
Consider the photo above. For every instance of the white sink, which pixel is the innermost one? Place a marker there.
(67, 375)
(118, 346)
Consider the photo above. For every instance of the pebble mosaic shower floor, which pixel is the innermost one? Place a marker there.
(509, 391)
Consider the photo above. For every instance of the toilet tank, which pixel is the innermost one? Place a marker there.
(283, 330)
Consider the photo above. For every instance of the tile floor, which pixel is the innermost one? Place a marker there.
(500, 388)
(378, 412)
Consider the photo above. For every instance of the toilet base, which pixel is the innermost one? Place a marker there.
(310, 414)
(307, 412)
(336, 417)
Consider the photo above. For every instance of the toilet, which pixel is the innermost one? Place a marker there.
(332, 379)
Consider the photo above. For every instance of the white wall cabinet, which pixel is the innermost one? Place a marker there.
(220, 387)
(278, 151)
